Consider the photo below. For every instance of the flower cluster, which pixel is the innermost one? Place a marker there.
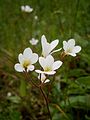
(26, 8)
(33, 41)
(46, 61)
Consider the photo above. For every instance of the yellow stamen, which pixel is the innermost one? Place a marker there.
(69, 50)
(26, 63)
(47, 69)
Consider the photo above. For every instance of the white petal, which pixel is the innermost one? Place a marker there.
(33, 41)
(43, 76)
(49, 60)
(43, 39)
(42, 62)
(18, 67)
(47, 80)
(56, 65)
(28, 8)
(46, 50)
(46, 62)
(71, 43)
(20, 57)
(45, 46)
(48, 73)
(72, 54)
(36, 17)
(30, 68)
(76, 49)
(27, 52)
(39, 76)
(53, 44)
(55, 51)
(39, 71)
(65, 45)
(34, 58)
(22, 8)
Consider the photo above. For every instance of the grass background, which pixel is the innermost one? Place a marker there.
(62, 19)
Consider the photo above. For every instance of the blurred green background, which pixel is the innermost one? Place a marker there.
(70, 92)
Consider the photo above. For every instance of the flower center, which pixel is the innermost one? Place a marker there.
(69, 50)
(47, 69)
(26, 63)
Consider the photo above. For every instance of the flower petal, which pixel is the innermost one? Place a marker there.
(45, 46)
(27, 52)
(65, 45)
(39, 76)
(34, 58)
(48, 73)
(47, 80)
(72, 54)
(30, 68)
(76, 49)
(39, 71)
(22, 8)
(71, 43)
(53, 44)
(33, 41)
(18, 67)
(49, 60)
(43, 77)
(46, 62)
(43, 40)
(42, 62)
(28, 8)
(56, 65)
(55, 50)
(21, 58)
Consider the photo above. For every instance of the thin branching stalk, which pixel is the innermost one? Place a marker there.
(46, 100)
(30, 81)
(43, 93)
(62, 56)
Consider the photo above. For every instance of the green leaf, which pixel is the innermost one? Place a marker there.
(85, 81)
(87, 118)
(14, 99)
(77, 102)
(76, 73)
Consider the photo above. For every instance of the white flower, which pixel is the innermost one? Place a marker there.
(9, 94)
(26, 8)
(70, 48)
(33, 41)
(48, 65)
(43, 79)
(48, 47)
(36, 17)
(22, 8)
(26, 60)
